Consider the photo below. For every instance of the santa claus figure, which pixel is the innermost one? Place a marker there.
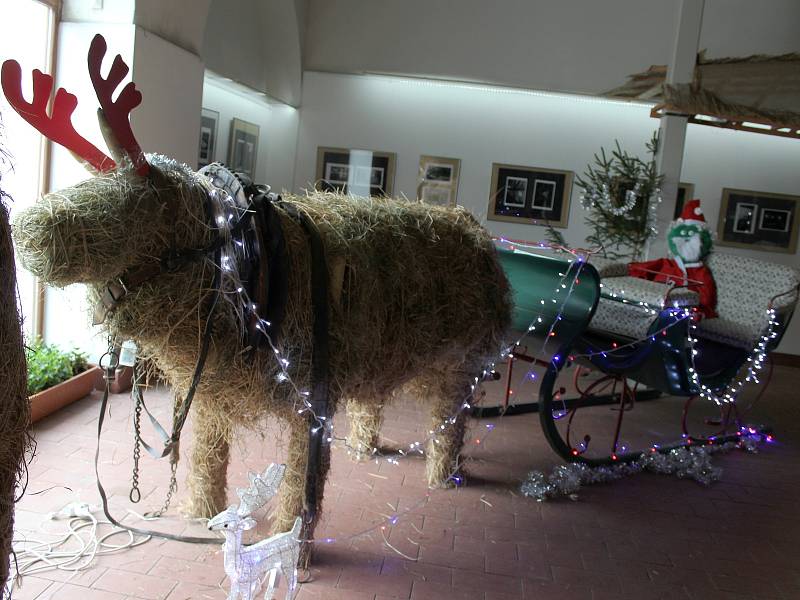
(689, 243)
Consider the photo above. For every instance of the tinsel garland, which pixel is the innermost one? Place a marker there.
(592, 197)
(682, 462)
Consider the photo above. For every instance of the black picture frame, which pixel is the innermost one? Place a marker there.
(355, 171)
(758, 220)
(530, 195)
(207, 145)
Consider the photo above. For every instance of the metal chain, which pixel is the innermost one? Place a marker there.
(173, 484)
(174, 457)
(136, 495)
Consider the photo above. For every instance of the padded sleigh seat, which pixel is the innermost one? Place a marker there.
(730, 332)
(745, 288)
(629, 305)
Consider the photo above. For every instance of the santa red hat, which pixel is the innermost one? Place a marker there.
(692, 214)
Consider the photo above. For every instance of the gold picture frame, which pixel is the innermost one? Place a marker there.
(530, 195)
(243, 147)
(758, 220)
(437, 181)
(355, 171)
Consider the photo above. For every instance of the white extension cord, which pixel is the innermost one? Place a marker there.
(35, 556)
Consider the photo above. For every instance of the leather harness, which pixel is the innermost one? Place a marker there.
(267, 283)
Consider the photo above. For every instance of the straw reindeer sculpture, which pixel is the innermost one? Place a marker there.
(246, 566)
(409, 294)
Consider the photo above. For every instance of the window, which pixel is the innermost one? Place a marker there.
(27, 31)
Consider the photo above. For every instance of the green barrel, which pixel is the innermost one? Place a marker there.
(557, 297)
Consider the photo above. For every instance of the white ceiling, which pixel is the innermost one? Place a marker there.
(582, 46)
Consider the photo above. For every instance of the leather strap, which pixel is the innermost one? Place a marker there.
(173, 260)
(271, 286)
(104, 496)
(180, 420)
(319, 359)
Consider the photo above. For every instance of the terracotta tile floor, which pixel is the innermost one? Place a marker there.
(644, 537)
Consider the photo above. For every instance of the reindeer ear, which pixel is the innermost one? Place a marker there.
(248, 523)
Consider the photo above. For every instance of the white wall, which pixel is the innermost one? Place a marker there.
(257, 43)
(483, 125)
(569, 45)
(168, 119)
(278, 125)
(181, 22)
(478, 124)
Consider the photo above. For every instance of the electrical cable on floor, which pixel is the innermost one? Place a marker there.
(73, 549)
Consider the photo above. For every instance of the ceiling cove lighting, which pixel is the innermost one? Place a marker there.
(497, 89)
(243, 91)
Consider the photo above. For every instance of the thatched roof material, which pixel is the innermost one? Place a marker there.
(759, 89)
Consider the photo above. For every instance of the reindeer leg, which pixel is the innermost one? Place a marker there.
(235, 593)
(289, 572)
(272, 581)
(365, 422)
(449, 390)
(209, 462)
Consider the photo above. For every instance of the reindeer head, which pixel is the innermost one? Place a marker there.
(230, 520)
(135, 209)
(262, 487)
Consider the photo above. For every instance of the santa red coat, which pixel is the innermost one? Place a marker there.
(697, 278)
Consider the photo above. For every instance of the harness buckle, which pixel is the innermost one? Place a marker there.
(112, 294)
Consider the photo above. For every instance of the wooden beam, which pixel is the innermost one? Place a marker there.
(770, 127)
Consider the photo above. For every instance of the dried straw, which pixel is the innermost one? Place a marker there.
(416, 294)
(365, 424)
(14, 409)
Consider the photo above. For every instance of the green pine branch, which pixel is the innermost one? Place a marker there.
(621, 236)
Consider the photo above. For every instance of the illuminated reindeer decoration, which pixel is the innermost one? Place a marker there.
(261, 306)
(247, 565)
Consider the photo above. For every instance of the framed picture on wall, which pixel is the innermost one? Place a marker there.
(530, 195)
(357, 172)
(243, 147)
(208, 137)
(438, 180)
(758, 220)
(685, 192)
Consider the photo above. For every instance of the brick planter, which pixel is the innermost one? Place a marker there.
(64, 393)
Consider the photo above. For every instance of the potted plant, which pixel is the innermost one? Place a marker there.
(57, 378)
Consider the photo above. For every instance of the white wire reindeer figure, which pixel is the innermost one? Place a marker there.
(246, 566)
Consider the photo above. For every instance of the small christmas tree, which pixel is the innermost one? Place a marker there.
(621, 194)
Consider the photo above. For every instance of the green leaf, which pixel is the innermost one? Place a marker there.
(49, 366)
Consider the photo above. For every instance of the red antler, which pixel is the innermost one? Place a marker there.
(58, 126)
(116, 113)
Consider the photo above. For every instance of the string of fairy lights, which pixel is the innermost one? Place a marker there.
(749, 373)
(228, 212)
